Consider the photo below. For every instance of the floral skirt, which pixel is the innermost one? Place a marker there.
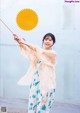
(37, 102)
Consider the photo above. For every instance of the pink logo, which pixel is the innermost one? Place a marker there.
(72, 1)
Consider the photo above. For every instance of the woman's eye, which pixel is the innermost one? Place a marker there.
(46, 39)
(50, 40)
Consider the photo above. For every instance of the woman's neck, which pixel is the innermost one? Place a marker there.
(48, 48)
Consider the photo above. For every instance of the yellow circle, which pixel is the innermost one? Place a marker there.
(27, 19)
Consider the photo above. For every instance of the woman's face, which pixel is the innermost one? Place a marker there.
(48, 42)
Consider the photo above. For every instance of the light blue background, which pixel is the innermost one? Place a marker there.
(55, 16)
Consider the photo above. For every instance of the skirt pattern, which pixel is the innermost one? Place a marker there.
(37, 102)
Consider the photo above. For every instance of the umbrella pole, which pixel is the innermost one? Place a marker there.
(7, 26)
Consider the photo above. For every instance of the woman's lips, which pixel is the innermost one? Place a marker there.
(47, 44)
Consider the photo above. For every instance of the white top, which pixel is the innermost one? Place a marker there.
(46, 68)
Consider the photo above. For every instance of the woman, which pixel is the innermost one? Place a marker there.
(41, 74)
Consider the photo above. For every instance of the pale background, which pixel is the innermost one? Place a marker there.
(55, 16)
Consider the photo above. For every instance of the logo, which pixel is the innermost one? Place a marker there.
(72, 1)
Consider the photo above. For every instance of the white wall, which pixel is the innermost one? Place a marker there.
(58, 17)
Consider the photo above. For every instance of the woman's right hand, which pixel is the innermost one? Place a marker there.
(16, 38)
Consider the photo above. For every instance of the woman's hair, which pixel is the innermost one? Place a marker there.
(51, 35)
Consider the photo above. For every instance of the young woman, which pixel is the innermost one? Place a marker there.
(41, 74)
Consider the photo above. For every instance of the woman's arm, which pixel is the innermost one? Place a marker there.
(28, 50)
(23, 43)
(28, 45)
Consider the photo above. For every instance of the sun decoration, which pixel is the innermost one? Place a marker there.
(27, 19)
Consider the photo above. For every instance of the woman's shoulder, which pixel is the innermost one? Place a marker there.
(50, 51)
(43, 50)
(54, 52)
